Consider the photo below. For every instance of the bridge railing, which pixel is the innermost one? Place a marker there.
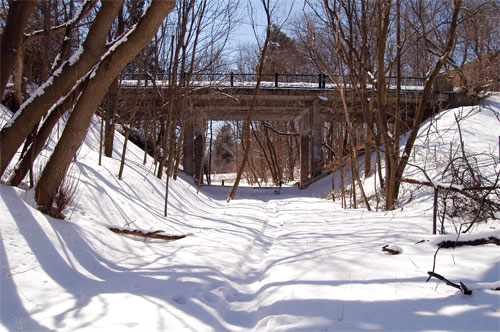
(269, 80)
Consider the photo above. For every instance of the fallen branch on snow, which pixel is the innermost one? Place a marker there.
(461, 287)
(151, 235)
(477, 242)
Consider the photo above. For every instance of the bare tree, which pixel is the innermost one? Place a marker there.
(400, 166)
(112, 100)
(353, 29)
(246, 134)
(12, 37)
(123, 50)
(37, 138)
(60, 84)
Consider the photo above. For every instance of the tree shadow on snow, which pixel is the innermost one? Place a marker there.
(219, 299)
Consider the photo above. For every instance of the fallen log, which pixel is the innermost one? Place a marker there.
(150, 235)
(477, 242)
(461, 287)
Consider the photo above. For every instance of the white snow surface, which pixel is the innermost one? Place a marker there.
(270, 260)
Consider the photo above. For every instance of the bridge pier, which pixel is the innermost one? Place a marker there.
(193, 145)
(311, 136)
(316, 140)
(188, 147)
(199, 149)
(305, 130)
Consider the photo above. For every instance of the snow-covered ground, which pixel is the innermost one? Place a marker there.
(270, 260)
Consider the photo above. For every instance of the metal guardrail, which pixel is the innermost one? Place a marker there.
(275, 80)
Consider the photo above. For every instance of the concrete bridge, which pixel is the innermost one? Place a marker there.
(310, 103)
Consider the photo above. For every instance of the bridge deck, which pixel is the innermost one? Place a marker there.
(283, 103)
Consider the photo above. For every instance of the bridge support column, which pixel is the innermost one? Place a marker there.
(311, 135)
(188, 142)
(199, 147)
(188, 148)
(305, 146)
(316, 140)
(193, 144)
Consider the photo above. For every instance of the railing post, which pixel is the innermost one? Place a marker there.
(231, 79)
(319, 80)
(276, 80)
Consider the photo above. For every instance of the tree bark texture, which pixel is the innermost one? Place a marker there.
(23, 166)
(12, 38)
(74, 132)
(59, 84)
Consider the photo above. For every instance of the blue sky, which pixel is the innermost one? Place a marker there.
(244, 34)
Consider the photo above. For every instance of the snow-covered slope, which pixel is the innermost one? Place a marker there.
(268, 261)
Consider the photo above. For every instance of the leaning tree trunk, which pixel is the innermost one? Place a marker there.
(419, 116)
(246, 132)
(58, 85)
(26, 162)
(37, 140)
(74, 132)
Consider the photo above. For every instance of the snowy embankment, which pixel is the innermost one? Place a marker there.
(270, 260)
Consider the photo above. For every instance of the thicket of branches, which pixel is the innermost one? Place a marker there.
(86, 49)
(76, 55)
(372, 47)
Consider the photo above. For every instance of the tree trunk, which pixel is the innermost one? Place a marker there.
(254, 101)
(74, 132)
(12, 38)
(419, 116)
(131, 121)
(109, 115)
(61, 82)
(43, 134)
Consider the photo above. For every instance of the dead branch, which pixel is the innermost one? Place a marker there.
(279, 132)
(462, 191)
(477, 242)
(151, 235)
(441, 186)
(461, 287)
(86, 9)
(390, 251)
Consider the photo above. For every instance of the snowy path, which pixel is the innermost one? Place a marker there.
(303, 263)
(279, 264)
